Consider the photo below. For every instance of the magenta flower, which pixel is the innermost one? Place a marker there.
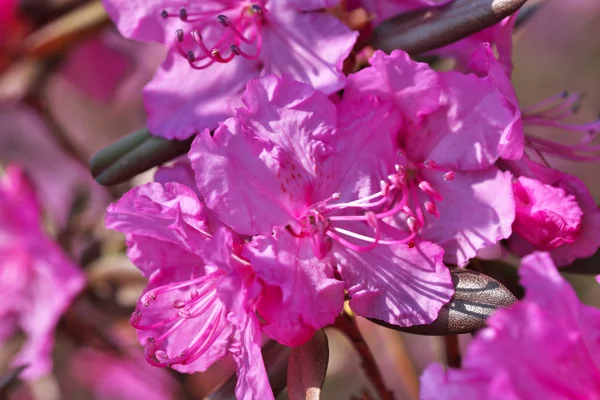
(127, 377)
(555, 213)
(544, 347)
(453, 127)
(552, 112)
(231, 42)
(305, 181)
(37, 280)
(199, 303)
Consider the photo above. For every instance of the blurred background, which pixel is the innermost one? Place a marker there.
(64, 97)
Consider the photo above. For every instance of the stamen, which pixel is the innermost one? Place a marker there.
(449, 176)
(428, 189)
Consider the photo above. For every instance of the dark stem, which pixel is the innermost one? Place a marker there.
(347, 324)
(453, 356)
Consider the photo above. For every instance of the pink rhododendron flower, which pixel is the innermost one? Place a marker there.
(199, 303)
(552, 112)
(452, 130)
(555, 212)
(303, 178)
(231, 42)
(112, 377)
(26, 140)
(546, 346)
(37, 280)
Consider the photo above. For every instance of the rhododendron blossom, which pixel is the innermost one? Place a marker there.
(452, 129)
(199, 303)
(303, 178)
(552, 112)
(215, 47)
(37, 280)
(555, 213)
(545, 347)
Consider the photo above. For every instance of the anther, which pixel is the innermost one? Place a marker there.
(191, 56)
(564, 94)
(412, 224)
(336, 196)
(179, 35)
(256, 9)
(151, 345)
(194, 294)
(223, 20)
(164, 14)
(430, 164)
(411, 245)
(179, 303)
(400, 169)
(450, 175)
(431, 208)
(235, 49)
(371, 219)
(428, 189)
(136, 317)
(183, 15)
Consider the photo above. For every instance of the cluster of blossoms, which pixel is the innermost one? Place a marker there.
(296, 196)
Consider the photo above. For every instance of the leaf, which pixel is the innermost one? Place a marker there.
(430, 28)
(133, 154)
(476, 297)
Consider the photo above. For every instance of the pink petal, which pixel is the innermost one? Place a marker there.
(466, 132)
(171, 213)
(587, 241)
(396, 284)
(499, 35)
(309, 46)
(288, 266)
(181, 101)
(257, 169)
(546, 216)
(367, 148)
(310, 5)
(27, 141)
(414, 87)
(162, 308)
(128, 377)
(253, 382)
(96, 68)
(141, 20)
(477, 211)
(484, 63)
(520, 355)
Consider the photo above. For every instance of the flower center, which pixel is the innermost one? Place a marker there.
(401, 194)
(553, 112)
(200, 300)
(241, 35)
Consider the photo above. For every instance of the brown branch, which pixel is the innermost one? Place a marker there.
(453, 356)
(347, 324)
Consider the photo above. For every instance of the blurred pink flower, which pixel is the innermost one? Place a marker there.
(25, 139)
(284, 171)
(452, 128)
(37, 280)
(95, 96)
(546, 346)
(199, 303)
(231, 42)
(110, 376)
